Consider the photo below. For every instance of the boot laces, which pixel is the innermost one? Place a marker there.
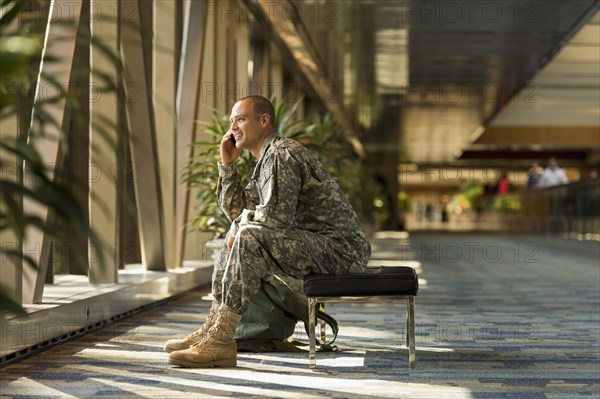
(210, 333)
(202, 330)
(196, 333)
(200, 343)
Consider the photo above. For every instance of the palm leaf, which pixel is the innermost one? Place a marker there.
(8, 304)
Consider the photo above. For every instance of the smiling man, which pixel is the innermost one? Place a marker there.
(291, 218)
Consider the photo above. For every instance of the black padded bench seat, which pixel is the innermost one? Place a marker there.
(400, 280)
(393, 283)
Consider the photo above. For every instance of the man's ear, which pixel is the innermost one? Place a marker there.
(264, 119)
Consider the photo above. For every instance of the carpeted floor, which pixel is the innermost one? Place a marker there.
(497, 317)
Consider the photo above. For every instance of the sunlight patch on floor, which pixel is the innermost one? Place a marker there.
(103, 354)
(32, 388)
(192, 383)
(145, 391)
(339, 361)
(352, 386)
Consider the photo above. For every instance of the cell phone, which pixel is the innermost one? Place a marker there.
(232, 140)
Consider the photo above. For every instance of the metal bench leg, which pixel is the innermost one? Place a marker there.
(322, 325)
(412, 356)
(407, 323)
(312, 303)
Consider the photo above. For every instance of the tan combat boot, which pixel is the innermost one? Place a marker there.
(217, 348)
(176, 344)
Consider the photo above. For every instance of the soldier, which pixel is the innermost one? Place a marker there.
(291, 218)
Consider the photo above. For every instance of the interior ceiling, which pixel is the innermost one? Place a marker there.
(423, 80)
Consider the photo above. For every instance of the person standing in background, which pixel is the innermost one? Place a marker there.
(553, 175)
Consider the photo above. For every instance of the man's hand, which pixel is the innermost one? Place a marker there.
(229, 153)
(230, 241)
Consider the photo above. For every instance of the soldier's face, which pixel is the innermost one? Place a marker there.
(248, 129)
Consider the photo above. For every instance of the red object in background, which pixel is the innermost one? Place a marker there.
(503, 186)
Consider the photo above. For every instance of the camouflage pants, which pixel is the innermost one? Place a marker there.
(258, 251)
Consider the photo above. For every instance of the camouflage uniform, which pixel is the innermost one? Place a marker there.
(291, 217)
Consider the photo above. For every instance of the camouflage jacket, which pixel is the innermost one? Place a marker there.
(290, 189)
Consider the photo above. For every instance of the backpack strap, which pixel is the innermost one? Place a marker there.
(287, 294)
(333, 325)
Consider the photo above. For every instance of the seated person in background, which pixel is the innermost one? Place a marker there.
(533, 176)
(291, 218)
(553, 175)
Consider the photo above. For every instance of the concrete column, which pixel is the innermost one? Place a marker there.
(103, 163)
(57, 62)
(164, 89)
(188, 95)
(209, 95)
(11, 278)
(142, 129)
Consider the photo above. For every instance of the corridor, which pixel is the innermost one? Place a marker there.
(497, 316)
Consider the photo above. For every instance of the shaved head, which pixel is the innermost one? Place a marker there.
(260, 106)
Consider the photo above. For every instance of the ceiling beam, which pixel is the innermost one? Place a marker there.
(546, 136)
(293, 34)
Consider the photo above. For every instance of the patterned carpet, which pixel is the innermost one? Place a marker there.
(497, 317)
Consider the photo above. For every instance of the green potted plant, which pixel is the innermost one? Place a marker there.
(202, 173)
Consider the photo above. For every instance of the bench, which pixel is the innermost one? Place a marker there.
(390, 283)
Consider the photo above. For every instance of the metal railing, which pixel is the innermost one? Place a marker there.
(572, 209)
